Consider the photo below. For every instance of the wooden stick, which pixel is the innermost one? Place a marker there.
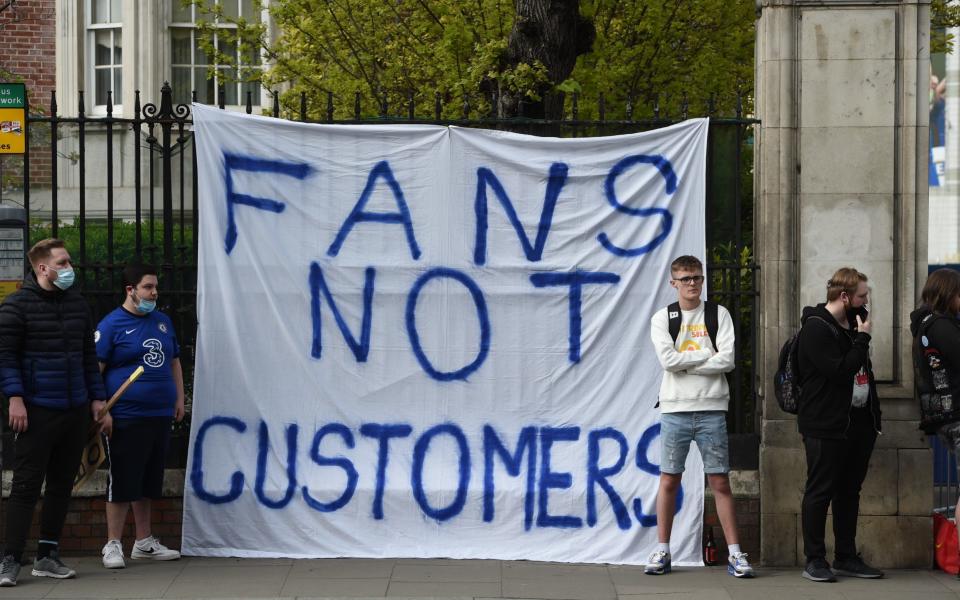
(93, 454)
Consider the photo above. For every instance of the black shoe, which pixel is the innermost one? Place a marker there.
(855, 567)
(818, 570)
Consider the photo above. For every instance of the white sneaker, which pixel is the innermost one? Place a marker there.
(738, 566)
(659, 563)
(113, 555)
(151, 548)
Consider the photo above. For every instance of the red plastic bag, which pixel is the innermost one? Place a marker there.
(946, 548)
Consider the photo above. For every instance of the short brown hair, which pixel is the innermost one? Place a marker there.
(940, 290)
(42, 250)
(846, 279)
(686, 263)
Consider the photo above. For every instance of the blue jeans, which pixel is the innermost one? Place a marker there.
(707, 428)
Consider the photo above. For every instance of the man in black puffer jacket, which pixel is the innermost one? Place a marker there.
(49, 373)
(839, 419)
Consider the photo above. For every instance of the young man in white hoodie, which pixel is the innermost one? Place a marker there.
(693, 399)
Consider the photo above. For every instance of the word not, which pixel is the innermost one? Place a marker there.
(530, 454)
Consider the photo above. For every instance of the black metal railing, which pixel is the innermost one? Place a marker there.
(153, 173)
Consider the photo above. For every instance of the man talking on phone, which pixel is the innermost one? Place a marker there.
(839, 419)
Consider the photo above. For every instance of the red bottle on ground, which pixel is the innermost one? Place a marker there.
(710, 550)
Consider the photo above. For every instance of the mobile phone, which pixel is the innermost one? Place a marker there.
(861, 312)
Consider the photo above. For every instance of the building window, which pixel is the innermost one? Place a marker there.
(104, 33)
(191, 66)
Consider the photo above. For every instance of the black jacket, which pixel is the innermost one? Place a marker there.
(937, 407)
(828, 360)
(47, 352)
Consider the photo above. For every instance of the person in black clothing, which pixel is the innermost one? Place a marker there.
(936, 358)
(839, 419)
(49, 373)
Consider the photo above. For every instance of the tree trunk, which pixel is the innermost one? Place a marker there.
(554, 33)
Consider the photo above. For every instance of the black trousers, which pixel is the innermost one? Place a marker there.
(835, 473)
(48, 450)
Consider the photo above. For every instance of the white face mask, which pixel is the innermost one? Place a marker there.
(144, 306)
(65, 277)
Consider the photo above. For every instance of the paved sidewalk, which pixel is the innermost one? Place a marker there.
(468, 579)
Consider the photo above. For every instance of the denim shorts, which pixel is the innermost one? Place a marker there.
(708, 428)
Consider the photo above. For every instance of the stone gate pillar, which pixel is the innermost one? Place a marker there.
(841, 179)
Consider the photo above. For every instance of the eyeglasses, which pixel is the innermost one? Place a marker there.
(691, 280)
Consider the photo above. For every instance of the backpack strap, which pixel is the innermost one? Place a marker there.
(833, 329)
(711, 317)
(674, 319)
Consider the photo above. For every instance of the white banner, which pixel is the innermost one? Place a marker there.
(422, 341)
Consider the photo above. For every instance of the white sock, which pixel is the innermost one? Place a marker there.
(665, 546)
(144, 540)
(733, 549)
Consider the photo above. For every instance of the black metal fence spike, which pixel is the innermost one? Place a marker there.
(136, 103)
(222, 96)
(356, 105)
(656, 106)
(249, 102)
(629, 108)
(330, 107)
(466, 107)
(437, 106)
(575, 106)
(193, 95)
(53, 103)
(684, 106)
(109, 103)
(739, 104)
(80, 108)
(602, 107)
(303, 106)
(411, 107)
(384, 105)
(276, 104)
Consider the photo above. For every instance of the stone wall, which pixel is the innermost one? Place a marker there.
(841, 180)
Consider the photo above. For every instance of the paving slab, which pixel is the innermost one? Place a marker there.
(318, 587)
(450, 573)
(418, 589)
(343, 568)
(719, 594)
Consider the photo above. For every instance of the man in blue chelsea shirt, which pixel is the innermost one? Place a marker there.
(134, 335)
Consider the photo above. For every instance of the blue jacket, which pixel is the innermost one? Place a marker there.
(47, 353)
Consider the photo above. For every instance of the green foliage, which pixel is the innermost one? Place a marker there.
(650, 51)
(658, 51)
(96, 270)
(943, 14)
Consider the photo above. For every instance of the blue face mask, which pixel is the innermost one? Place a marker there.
(146, 306)
(65, 278)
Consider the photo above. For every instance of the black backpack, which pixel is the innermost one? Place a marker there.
(711, 319)
(786, 381)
